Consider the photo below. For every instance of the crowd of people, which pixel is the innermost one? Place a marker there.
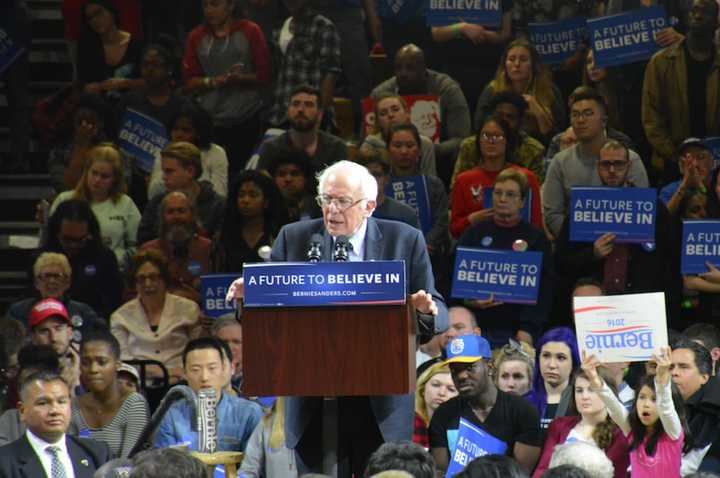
(252, 167)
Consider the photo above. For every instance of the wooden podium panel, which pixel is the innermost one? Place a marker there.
(329, 351)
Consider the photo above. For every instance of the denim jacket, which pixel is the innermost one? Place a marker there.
(236, 420)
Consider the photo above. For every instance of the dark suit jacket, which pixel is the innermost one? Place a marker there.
(384, 240)
(18, 460)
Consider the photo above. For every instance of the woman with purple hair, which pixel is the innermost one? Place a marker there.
(556, 359)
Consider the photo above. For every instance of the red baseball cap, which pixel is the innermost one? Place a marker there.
(47, 308)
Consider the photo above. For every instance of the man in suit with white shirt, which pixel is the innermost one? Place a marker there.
(45, 450)
(347, 194)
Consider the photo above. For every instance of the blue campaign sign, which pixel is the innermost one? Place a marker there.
(629, 213)
(213, 288)
(412, 190)
(714, 144)
(447, 12)
(524, 212)
(142, 138)
(9, 50)
(472, 442)
(700, 245)
(510, 276)
(300, 284)
(626, 37)
(557, 41)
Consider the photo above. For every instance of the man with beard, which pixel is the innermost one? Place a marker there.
(304, 116)
(181, 168)
(502, 416)
(413, 78)
(187, 252)
(622, 268)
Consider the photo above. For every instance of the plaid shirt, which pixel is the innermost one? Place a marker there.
(313, 52)
(420, 433)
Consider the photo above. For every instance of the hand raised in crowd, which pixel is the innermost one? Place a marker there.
(713, 274)
(667, 36)
(568, 138)
(481, 215)
(603, 246)
(663, 362)
(41, 211)
(589, 365)
(692, 178)
(424, 303)
(474, 33)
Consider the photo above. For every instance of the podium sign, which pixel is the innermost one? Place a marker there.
(303, 284)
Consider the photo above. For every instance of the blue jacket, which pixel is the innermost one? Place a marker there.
(236, 420)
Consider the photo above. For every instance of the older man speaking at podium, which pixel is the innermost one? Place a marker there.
(347, 196)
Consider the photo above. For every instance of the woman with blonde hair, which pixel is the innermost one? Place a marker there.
(434, 387)
(514, 368)
(520, 70)
(103, 186)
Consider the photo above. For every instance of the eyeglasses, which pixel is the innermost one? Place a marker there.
(341, 204)
(587, 114)
(492, 138)
(616, 165)
(507, 194)
(48, 276)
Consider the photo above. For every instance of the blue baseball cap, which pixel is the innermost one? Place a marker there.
(467, 349)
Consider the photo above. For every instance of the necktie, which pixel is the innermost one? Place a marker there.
(57, 469)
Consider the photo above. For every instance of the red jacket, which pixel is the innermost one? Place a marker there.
(557, 434)
(467, 197)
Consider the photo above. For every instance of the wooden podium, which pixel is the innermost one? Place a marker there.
(329, 351)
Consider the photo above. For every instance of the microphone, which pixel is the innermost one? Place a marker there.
(314, 253)
(342, 249)
(206, 420)
(176, 393)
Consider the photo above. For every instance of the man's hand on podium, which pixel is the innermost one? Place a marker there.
(236, 291)
(423, 302)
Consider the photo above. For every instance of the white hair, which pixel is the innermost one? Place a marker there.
(354, 173)
(583, 455)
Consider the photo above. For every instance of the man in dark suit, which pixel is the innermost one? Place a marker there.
(44, 450)
(347, 196)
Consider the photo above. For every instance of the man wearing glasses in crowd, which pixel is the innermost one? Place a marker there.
(347, 196)
(575, 166)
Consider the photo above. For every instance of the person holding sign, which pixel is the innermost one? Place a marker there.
(403, 142)
(588, 421)
(506, 422)
(507, 230)
(681, 94)
(521, 70)
(391, 109)
(496, 143)
(576, 165)
(655, 426)
(622, 268)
